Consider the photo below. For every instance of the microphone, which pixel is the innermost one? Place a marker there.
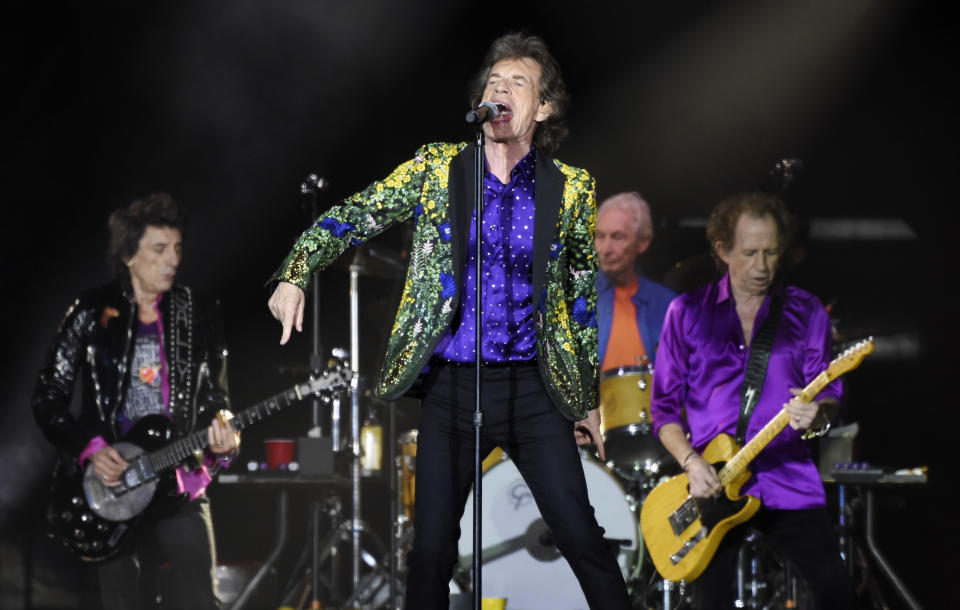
(486, 111)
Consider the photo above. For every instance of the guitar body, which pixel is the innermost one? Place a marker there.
(92, 519)
(682, 533)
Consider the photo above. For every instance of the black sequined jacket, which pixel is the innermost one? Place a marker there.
(95, 344)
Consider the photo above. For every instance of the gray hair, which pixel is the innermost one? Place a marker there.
(632, 202)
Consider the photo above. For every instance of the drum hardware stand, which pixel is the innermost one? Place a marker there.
(750, 543)
(355, 526)
(667, 594)
(401, 525)
(332, 507)
(868, 560)
(394, 542)
(312, 186)
(765, 578)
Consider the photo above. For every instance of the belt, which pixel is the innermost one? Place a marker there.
(508, 364)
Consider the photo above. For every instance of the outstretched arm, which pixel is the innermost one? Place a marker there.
(286, 304)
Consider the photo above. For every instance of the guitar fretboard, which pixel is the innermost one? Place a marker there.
(847, 361)
(175, 453)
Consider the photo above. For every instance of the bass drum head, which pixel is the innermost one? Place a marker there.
(520, 562)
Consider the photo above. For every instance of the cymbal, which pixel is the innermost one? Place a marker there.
(373, 261)
(690, 273)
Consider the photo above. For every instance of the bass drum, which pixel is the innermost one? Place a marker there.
(520, 561)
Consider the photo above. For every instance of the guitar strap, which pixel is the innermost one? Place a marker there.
(180, 355)
(756, 372)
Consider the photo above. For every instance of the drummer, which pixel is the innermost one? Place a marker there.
(630, 307)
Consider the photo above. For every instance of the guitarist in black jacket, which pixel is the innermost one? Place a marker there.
(149, 355)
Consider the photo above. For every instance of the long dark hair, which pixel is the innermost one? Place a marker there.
(515, 45)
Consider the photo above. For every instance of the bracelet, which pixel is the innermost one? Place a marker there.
(683, 464)
(816, 430)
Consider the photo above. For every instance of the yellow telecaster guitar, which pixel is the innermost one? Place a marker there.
(681, 532)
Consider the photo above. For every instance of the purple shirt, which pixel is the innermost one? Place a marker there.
(509, 332)
(700, 366)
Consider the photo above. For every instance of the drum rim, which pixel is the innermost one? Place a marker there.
(409, 436)
(585, 456)
(625, 371)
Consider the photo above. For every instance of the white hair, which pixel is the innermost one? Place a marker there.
(636, 204)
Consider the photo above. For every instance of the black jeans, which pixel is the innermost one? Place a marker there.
(518, 416)
(130, 580)
(805, 537)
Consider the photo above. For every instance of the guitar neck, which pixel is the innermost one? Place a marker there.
(175, 453)
(738, 463)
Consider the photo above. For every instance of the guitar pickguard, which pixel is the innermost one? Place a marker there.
(717, 508)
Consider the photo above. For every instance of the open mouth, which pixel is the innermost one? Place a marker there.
(504, 113)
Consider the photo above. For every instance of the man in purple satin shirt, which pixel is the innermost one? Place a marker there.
(704, 350)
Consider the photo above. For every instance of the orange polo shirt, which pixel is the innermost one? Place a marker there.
(625, 347)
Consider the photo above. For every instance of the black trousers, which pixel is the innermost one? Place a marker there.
(805, 537)
(518, 416)
(131, 579)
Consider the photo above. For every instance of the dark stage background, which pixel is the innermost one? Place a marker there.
(229, 105)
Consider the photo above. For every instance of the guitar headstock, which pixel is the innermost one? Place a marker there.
(336, 377)
(851, 357)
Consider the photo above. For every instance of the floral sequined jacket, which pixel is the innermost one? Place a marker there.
(95, 342)
(435, 187)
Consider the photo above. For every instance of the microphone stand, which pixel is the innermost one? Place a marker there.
(478, 357)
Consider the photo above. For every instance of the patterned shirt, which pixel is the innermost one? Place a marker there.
(509, 330)
(145, 394)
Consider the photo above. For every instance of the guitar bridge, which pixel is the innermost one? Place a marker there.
(688, 546)
(683, 517)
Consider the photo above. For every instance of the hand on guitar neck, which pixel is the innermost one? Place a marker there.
(684, 518)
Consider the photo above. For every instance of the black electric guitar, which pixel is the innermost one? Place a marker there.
(681, 532)
(92, 519)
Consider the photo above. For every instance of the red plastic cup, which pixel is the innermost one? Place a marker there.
(279, 452)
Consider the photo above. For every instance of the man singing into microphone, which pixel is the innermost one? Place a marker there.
(538, 338)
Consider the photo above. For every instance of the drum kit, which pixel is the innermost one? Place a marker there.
(520, 561)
